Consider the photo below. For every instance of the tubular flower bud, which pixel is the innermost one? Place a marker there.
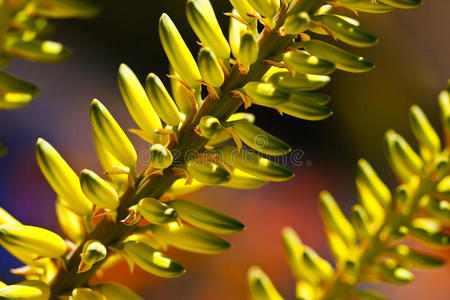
(304, 63)
(394, 274)
(180, 188)
(243, 8)
(162, 101)
(225, 136)
(209, 127)
(152, 261)
(210, 68)
(301, 82)
(361, 222)
(71, 223)
(335, 220)
(343, 60)
(139, 106)
(303, 107)
(366, 175)
(14, 101)
(208, 170)
(189, 239)
(86, 294)
(177, 52)
(93, 252)
(98, 190)
(409, 157)
(265, 94)
(244, 181)
(248, 48)
(413, 259)
(429, 141)
(180, 95)
(404, 4)
(114, 291)
(293, 250)
(205, 218)
(236, 30)
(346, 31)
(267, 8)
(62, 178)
(206, 27)
(111, 136)
(368, 6)
(444, 105)
(429, 231)
(258, 139)
(160, 157)
(394, 160)
(6, 218)
(35, 50)
(253, 164)
(297, 23)
(17, 291)
(261, 287)
(156, 212)
(66, 8)
(33, 240)
(14, 92)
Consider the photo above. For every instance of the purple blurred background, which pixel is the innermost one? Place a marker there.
(412, 66)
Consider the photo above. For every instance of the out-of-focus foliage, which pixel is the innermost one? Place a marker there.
(371, 246)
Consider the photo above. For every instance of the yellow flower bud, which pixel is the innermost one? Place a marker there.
(160, 157)
(177, 52)
(86, 294)
(209, 127)
(99, 191)
(267, 8)
(111, 136)
(205, 25)
(35, 50)
(261, 287)
(93, 252)
(302, 62)
(243, 8)
(156, 212)
(14, 92)
(114, 291)
(297, 23)
(284, 81)
(265, 94)
(71, 223)
(429, 141)
(208, 171)
(65, 8)
(6, 218)
(248, 48)
(62, 178)
(210, 68)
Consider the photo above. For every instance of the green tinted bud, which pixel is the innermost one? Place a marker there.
(317, 265)
(189, 239)
(153, 261)
(408, 155)
(369, 295)
(6, 218)
(258, 139)
(205, 218)
(392, 155)
(413, 259)
(347, 32)
(14, 92)
(342, 59)
(177, 52)
(366, 175)
(261, 287)
(429, 231)
(24, 292)
(429, 141)
(404, 4)
(297, 23)
(248, 48)
(71, 223)
(160, 157)
(301, 82)
(114, 291)
(209, 127)
(224, 135)
(244, 181)
(205, 25)
(243, 8)
(368, 6)
(444, 105)
(293, 251)
(180, 188)
(304, 63)
(99, 191)
(14, 101)
(86, 294)
(62, 178)
(138, 105)
(438, 208)
(265, 94)
(111, 136)
(267, 8)
(210, 68)
(300, 106)
(66, 8)
(335, 220)
(361, 222)
(33, 240)
(253, 164)
(35, 50)
(180, 95)
(93, 252)
(237, 29)
(162, 101)
(395, 275)
(208, 170)
(156, 212)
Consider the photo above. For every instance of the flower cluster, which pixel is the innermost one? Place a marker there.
(372, 247)
(134, 215)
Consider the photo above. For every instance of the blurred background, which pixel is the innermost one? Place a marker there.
(412, 66)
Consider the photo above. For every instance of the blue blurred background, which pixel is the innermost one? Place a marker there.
(412, 66)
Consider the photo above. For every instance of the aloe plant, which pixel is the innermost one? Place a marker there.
(371, 246)
(277, 66)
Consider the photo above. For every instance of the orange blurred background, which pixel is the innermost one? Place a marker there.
(412, 67)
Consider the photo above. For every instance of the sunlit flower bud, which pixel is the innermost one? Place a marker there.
(207, 28)
(429, 141)
(283, 80)
(243, 8)
(162, 101)
(394, 274)
(261, 287)
(361, 222)
(160, 157)
(302, 62)
(301, 105)
(62, 178)
(177, 52)
(14, 92)
(152, 260)
(33, 240)
(156, 212)
(86, 294)
(139, 106)
(35, 50)
(93, 252)
(205, 218)
(65, 8)
(111, 136)
(208, 170)
(6, 218)
(267, 8)
(71, 223)
(114, 291)
(404, 4)
(243, 181)
(17, 291)
(297, 23)
(210, 68)
(99, 191)
(181, 95)
(265, 93)
(209, 127)
(248, 48)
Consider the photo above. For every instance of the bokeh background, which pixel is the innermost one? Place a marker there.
(412, 66)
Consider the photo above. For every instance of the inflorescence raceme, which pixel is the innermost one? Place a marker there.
(371, 246)
(277, 67)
